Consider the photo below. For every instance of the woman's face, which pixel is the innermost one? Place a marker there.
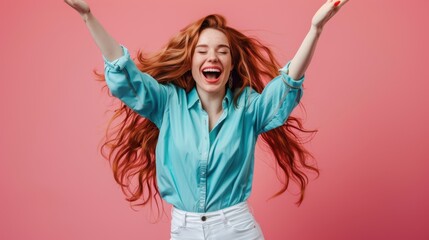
(211, 62)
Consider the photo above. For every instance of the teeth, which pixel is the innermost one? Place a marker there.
(211, 70)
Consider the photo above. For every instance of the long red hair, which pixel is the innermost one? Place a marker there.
(131, 139)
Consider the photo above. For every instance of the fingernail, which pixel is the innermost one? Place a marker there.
(337, 3)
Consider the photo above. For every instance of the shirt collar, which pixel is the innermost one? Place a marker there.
(194, 98)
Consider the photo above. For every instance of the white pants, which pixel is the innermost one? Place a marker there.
(236, 223)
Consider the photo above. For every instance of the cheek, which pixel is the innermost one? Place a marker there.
(196, 62)
(195, 71)
(228, 61)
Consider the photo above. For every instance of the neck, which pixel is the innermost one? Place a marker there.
(211, 103)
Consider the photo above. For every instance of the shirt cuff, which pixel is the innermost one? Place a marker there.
(284, 72)
(119, 63)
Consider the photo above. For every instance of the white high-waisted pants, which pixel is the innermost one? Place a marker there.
(236, 223)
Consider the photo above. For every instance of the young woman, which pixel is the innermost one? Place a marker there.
(191, 115)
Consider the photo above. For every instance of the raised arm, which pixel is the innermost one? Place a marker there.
(303, 56)
(107, 44)
(139, 91)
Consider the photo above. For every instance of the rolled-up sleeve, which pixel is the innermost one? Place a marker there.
(273, 106)
(138, 90)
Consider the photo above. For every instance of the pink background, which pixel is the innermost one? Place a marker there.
(366, 92)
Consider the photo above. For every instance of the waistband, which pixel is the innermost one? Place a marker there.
(208, 217)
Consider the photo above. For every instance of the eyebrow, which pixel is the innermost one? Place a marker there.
(218, 46)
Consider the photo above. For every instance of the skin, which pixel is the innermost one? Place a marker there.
(212, 102)
(212, 50)
(109, 47)
(303, 56)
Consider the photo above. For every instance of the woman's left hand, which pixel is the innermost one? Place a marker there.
(328, 10)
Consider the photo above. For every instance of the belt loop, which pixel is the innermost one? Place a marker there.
(184, 220)
(224, 219)
(250, 207)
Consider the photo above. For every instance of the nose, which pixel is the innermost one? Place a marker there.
(212, 56)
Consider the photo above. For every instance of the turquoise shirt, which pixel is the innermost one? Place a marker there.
(200, 170)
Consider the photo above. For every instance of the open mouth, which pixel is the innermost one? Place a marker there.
(211, 73)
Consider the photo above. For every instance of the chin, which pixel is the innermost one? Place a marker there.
(212, 89)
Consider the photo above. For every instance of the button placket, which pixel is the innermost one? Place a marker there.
(203, 164)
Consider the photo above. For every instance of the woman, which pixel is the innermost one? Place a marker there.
(197, 107)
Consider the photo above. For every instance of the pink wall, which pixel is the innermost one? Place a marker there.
(366, 93)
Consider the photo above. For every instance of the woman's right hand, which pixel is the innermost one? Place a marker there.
(80, 6)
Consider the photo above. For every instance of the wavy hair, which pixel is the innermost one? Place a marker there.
(131, 139)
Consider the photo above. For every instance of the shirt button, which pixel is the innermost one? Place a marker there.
(203, 218)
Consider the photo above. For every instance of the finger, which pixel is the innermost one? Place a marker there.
(336, 3)
(330, 15)
(68, 2)
(339, 4)
(333, 13)
(342, 3)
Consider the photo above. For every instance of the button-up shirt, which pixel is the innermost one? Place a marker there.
(198, 169)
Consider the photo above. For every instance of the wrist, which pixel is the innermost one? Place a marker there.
(316, 29)
(86, 16)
